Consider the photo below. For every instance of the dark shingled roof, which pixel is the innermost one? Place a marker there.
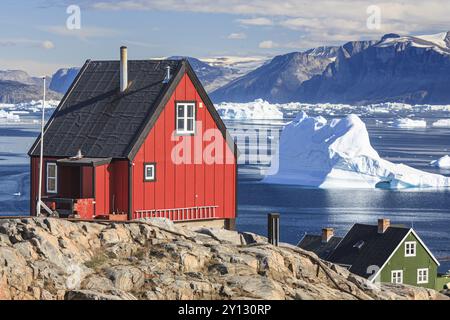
(374, 248)
(96, 118)
(314, 244)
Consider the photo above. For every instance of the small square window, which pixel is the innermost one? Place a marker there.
(410, 249)
(397, 276)
(422, 276)
(149, 172)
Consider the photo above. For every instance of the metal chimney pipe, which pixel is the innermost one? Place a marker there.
(273, 228)
(123, 69)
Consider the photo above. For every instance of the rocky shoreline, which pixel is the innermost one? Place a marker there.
(47, 258)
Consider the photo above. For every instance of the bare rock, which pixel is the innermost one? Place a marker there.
(93, 295)
(125, 278)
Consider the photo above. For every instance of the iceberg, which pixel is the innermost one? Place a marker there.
(256, 110)
(442, 123)
(9, 116)
(409, 123)
(443, 163)
(314, 152)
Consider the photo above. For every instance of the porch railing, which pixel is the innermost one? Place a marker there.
(179, 214)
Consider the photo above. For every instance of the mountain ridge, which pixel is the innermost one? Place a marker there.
(408, 69)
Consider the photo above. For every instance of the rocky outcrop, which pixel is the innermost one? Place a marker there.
(46, 258)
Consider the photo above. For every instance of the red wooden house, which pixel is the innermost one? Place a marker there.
(134, 139)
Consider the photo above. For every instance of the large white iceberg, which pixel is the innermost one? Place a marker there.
(315, 152)
(256, 110)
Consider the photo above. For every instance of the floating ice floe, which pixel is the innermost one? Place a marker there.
(9, 116)
(315, 152)
(409, 123)
(442, 123)
(443, 163)
(256, 110)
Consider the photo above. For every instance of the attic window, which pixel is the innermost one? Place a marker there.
(410, 249)
(185, 118)
(359, 244)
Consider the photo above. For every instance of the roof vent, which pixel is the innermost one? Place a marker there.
(359, 244)
(123, 69)
(78, 156)
(168, 75)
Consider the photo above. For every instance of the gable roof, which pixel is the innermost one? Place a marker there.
(374, 248)
(314, 244)
(97, 118)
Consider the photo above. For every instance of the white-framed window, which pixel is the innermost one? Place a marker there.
(410, 248)
(149, 172)
(397, 276)
(52, 177)
(422, 275)
(185, 117)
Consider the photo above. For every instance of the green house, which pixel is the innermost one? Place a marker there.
(387, 253)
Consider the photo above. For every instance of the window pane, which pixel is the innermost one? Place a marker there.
(51, 170)
(180, 111)
(190, 110)
(190, 125)
(149, 171)
(51, 184)
(180, 125)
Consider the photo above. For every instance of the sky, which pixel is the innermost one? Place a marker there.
(40, 36)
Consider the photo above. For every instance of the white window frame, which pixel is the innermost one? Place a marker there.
(423, 275)
(410, 248)
(185, 118)
(398, 276)
(146, 176)
(48, 177)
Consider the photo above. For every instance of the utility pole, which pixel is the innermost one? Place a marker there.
(41, 158)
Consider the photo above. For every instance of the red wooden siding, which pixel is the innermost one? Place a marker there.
(87, 182)
(35, 181)
(183, 185)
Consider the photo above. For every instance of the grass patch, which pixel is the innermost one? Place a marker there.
(97, 260)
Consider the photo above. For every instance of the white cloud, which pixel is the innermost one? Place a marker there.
(268, 44)
(256, 21)
(321, 21)
(237, 36)
(27, 43)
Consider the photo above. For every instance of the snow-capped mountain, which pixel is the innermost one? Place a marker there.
(277, 80)
(18, 86)
(217, 72)
(409, 69)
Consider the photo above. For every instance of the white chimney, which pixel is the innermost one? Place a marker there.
(123, 69)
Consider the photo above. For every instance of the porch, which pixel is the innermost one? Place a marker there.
(71, 187)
